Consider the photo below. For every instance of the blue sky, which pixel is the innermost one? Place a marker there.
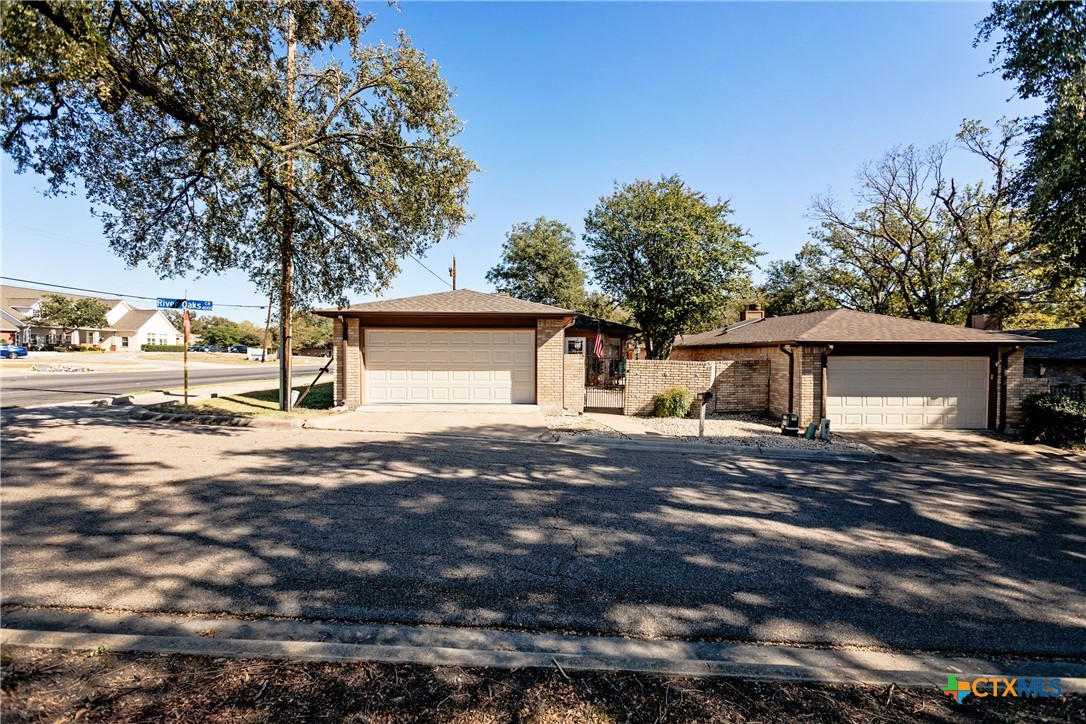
(764, 104)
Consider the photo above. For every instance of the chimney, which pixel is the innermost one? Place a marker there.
(989, 322)
(753, 311)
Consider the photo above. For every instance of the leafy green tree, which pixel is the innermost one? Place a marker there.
(540, 264)
(668, 255)
(221, 331)
(263, 136)
(1042, 49)
(56, 310)
(252, 335)
(311, 330)
(791, 288)
(599, 305)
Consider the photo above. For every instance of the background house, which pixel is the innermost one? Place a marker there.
(1062, 364)
(126, 326)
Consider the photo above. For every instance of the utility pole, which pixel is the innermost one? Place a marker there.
(452, 273)
(286, 251)
(267, 328)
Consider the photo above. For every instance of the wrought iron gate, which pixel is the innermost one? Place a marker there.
(605, 380)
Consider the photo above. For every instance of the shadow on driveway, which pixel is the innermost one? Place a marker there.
(101, 513)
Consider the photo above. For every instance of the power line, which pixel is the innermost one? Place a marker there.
(100, 245)
(118, 294)
(437, 276)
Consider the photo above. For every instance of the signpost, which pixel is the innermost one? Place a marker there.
(196, 305)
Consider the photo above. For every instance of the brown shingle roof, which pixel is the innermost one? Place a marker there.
(26, 296)
(132, 321)
(843, 326)
(461, 301)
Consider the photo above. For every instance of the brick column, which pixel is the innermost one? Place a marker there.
(549, 346)
(353, 368)
(339, 368)
(808, 384)
(1016, 390)
(573, 384)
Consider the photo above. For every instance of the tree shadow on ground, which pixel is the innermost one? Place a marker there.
(333, 525)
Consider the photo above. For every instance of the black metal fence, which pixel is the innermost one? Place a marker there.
(1075, 392)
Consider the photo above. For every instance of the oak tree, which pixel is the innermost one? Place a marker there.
(262, 136)
(541, 264)
(1041, 47)
(667, 254)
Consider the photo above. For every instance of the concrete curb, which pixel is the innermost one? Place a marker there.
(436, 646)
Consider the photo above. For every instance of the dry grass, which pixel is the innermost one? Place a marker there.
(260, 403)
(64, 686)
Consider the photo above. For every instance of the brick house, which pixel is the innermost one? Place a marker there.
(458, 347)
(1062, 365)
(869, 371)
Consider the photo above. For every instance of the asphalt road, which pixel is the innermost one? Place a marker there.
(101, 512)
(43, 388)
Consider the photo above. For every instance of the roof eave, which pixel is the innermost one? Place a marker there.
(385, 313)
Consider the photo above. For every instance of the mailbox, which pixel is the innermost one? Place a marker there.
(790, 424)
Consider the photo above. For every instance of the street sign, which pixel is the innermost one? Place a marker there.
(195, 305)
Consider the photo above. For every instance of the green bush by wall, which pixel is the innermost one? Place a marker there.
(162, 348)
(1054, 419)
(672, 402)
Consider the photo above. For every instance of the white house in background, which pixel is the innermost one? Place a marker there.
(126, 327)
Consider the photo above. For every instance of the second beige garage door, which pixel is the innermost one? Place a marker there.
(483, 366)
(879, 393)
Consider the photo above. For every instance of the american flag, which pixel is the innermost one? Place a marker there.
(598, 347)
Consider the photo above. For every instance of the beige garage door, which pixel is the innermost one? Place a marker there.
(875, 393)
(485, 366)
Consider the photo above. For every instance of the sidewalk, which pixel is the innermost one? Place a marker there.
(627, 426)
(448, 646)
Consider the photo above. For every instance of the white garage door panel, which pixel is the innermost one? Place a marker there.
(907, 392)
(430, 365)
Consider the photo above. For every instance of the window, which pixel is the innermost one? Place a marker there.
(575, 345)
(124, 341)
(152, 339)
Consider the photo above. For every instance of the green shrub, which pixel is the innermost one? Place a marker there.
(1054, 419)
(672, 402)
(162, 348)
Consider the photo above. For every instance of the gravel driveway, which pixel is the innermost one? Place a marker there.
(720, 429)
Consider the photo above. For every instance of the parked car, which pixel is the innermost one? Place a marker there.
(213, 348)
(9, 351)
(239, 349)
(198, 348)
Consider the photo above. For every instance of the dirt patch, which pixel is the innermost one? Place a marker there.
(101, 686)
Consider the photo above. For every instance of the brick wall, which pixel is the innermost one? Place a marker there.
(573, 383)
(1017, 388)
(808, 384)
(549, 351)
(338, 364)
(1070, 372)
(741, 386)
(646, 378)
(772, 378)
